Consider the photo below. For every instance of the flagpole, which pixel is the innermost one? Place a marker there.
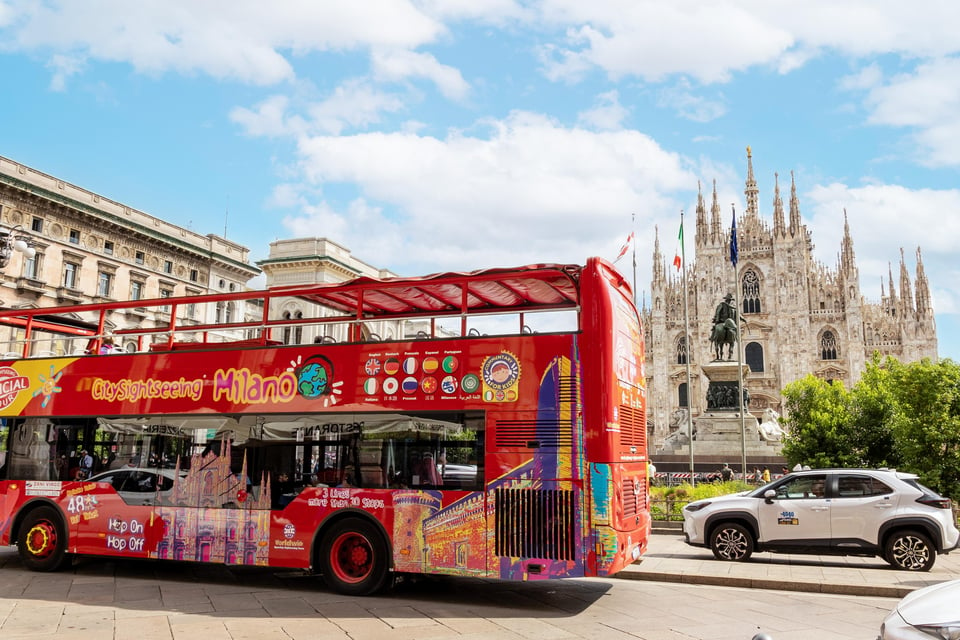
(689, 347)
(633, 230)
(736, 306)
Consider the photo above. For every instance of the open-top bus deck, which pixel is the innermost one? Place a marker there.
(487, 424)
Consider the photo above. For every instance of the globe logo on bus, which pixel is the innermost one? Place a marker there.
(315, 379)
(312, 380)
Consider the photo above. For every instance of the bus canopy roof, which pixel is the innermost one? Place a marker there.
(513, 289)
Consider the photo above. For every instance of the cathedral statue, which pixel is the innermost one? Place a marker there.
(725, 328)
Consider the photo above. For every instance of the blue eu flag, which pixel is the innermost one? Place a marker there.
(733, 241)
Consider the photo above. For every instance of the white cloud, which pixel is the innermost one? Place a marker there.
(397, 65)
(63, 67)
(269, 118)
(682, 99)
(355, 104)
(244, 40)
(532, 191)
(877, 215)
(926, 101)
(711, 40)
(606, 115)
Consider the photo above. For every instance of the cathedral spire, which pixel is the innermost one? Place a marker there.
(924, 308)
(751, 192)
(794, 208)
(779, 230)
(848, 261)
(701, 217)
(892, 306)
(715, 234)
(906, 290)
(658, 272)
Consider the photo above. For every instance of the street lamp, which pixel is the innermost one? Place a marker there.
(15, 239)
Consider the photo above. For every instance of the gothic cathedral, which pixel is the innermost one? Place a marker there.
(799, 316)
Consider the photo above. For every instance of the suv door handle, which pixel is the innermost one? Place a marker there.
(883, 505)
(824, 508)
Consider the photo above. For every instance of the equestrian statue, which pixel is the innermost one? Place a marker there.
(725, 328)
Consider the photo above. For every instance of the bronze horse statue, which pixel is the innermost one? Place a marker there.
(724, 333)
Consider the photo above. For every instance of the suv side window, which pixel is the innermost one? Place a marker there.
(803, 487)
(861, 487)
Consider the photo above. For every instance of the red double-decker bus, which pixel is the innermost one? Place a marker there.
(487, 424)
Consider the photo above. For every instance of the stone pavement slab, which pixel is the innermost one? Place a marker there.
(670, 559)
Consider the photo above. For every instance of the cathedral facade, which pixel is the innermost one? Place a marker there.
(798, 316)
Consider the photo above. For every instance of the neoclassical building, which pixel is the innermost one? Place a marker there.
(800, 316)
(62, 245)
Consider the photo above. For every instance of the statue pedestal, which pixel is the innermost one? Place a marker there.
(719, 431)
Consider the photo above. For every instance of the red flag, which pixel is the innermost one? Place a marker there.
(625, 247)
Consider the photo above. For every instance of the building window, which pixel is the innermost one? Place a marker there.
(682, 350)
(751, 292)
(682, 395)
(36, 225)
(138, 257)
(194, 275)
(74, 236)
(166, 293)
(191, 311)
(31, 267)
(168, 266)
(753, 354)
(104, 284)
(828, 346)
(136, 290)
(108, 248)
(229, 316)
(70, 271)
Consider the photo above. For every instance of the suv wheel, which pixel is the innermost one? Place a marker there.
(731, 541)
(910, 551)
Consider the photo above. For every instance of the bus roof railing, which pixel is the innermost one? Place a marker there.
(425, 299)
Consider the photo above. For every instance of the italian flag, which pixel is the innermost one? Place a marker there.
(678, 258)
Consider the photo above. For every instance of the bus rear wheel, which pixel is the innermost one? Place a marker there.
(354, 558)
(42, 542)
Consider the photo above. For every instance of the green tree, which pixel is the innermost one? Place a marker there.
(898, 415)
(818, 423)
(927, 424)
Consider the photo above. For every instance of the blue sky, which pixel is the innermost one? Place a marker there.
(436, 135)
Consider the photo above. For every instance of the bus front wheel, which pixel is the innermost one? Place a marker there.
(354, 558)
(42, 542)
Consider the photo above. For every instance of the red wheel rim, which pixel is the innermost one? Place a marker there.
(351, 557)
(42, 539)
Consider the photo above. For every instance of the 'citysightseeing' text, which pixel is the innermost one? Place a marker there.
(239, 386)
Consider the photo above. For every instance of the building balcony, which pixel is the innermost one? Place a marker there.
(66, 294)
(31, 285)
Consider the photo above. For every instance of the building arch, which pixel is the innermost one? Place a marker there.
(750, 291)
(683, 354)
(829, 346)
(753, 355)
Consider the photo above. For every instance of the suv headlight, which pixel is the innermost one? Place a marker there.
(696, 506)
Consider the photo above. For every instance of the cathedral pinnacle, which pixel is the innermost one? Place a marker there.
(658, 272)
(751, 192)
(924, 308)
(848, 261)
(701, 216)
(794, 208)
(779, 230)
(715, 233)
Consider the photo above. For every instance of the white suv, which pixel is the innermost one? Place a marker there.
(868, 512)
